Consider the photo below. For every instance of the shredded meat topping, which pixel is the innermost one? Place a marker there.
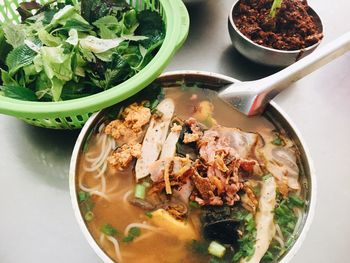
(129, 128)
(122, 157)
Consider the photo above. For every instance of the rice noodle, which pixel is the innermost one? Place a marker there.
(280, 241)
(126, 196)
(141, 225)
(116, 248)
(299, 215)
(102, 239)
(102, 170)
(279, 231)
(143, 236)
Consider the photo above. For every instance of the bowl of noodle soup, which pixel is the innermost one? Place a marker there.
(173, 174)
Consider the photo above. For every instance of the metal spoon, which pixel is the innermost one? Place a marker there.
(251, 97)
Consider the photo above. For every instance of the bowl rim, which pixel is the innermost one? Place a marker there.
(297, 51)
(181, 73)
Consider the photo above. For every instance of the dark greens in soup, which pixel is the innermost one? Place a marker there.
(183, 177)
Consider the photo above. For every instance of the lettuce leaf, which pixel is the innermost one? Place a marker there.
(15, 34)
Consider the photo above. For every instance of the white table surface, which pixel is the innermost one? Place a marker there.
(36, 219)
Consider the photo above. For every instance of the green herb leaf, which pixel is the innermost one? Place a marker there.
(15, 34)
(109, 230)
(135, 231)
(18, 93)
(83, 196)
(89, 216)
(193, 204)
(149, 214)
(19, 57)
(199, 247)
(128, 239)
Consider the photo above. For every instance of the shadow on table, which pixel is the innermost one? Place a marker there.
(245, 69)
(45, 153)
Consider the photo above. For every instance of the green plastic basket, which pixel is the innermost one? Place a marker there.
(72, 114)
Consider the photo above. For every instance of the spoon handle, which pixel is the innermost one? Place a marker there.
(251, 97)
(269, 87)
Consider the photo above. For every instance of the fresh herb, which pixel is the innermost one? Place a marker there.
(128, 239)
(86, 205)
(68, 50)
(83, 196)
(133, 233)
(278, 141)
(199, 247)
(273, 253)
(285, 216)
(267, 176)
(109, 230)
(149, 214)
(274, 8)
(246, 240)
(193, 204)
(217, 260)
(89, 216)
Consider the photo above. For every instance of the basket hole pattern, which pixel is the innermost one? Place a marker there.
(69, 122)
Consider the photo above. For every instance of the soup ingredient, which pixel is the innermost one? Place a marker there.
(122, 157)
(169, 146)
(247, 236)
(86, 205)
(133, 233)
(290, 27)
(265, 227)
(109, 230)
(140, 191)
(69, 50)
(180, 229)
(216, 249)
(154, 138)
(204, 113)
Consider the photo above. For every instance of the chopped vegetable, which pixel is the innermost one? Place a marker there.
(247, 239)
(198, 247)
(133, 232)
(89, 216)
(140, 191)
(193, 204)
(216, 249)
(148, 214)
(109, 230)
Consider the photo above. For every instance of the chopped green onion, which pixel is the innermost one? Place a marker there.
(193, 204)
(146, 184)
(216, 249)
(146, 104)
(296, 201)
(149, 214)
(135, 231)
(277, 141)
(267, 176)
(140, 191)
(109, 230)
(199, 247)
(154, 104)
(83, 196)
(128, 239)
(89, 216)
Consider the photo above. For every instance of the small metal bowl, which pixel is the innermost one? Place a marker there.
(265, 55)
